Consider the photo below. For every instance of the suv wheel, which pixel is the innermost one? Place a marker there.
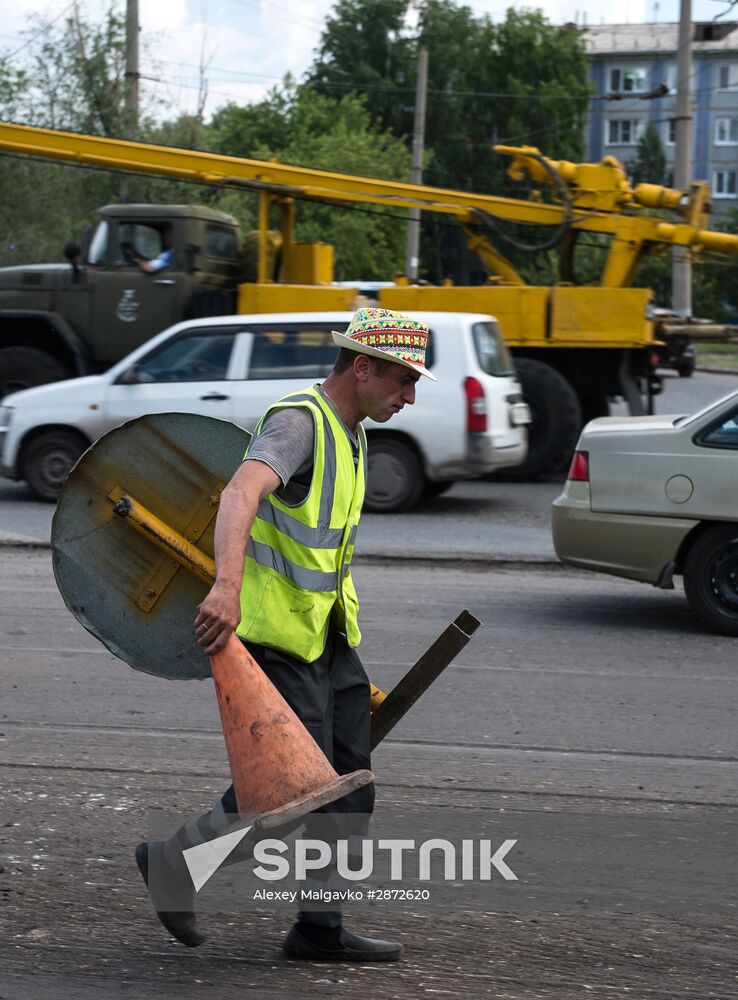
(49, 459)
(395, 481)
(711, 578)
(23, 367)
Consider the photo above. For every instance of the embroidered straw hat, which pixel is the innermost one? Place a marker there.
(393, 336)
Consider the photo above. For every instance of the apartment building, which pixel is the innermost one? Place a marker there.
(629, 62)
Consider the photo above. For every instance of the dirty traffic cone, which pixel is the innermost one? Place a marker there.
(279, 772)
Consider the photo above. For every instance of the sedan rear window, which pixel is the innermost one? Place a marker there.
(724, 435)
(493, 354)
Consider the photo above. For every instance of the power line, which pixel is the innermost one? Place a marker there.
(219, 69)
(41, 31)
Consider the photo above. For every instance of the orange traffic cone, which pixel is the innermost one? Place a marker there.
(279, 772)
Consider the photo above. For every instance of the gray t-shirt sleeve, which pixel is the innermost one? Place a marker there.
(286, 442)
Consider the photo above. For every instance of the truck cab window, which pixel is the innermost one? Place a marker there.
(138, 238)
(98, 252)
(221, 243)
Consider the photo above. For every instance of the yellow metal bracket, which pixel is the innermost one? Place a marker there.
(161, 576)
(179, 548)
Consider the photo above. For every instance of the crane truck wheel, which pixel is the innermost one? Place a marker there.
(23, 367)
(557, 419)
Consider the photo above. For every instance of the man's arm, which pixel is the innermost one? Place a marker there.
(220, 612)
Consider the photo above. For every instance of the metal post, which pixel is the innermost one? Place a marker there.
(132, 74)
(681, 270)
(416, 174)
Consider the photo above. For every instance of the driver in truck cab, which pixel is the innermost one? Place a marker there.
(150, 265)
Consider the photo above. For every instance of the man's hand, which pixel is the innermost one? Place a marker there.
(217, 618)
(220, 612)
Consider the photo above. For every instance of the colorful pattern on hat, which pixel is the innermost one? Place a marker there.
(392, 333)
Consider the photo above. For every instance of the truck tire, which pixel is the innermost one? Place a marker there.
(23, 367)
(48, 460)
(711, 578)
(395, 481)
(557, 419)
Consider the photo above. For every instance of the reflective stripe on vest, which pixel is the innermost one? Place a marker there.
(297, 559)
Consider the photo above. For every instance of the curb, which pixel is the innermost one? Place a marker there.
(460, 560)
(428, 559)
(10, 541)
(716, 371)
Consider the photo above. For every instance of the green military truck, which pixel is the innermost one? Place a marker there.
(62, 320)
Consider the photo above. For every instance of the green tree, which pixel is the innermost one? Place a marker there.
(365, 48)
(648, 166)
(72, 78)
(296, 125)
(522, 81)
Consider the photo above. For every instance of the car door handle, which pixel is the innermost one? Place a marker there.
(215, 396)
(164, 281)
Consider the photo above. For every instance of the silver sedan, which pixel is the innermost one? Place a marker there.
(651, 497)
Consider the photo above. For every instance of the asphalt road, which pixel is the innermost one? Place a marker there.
(588, 715)
(586, 711)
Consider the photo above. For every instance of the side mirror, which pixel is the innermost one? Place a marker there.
(130, 376)
(72, 251)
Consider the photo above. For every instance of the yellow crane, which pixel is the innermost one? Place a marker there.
(575, 346)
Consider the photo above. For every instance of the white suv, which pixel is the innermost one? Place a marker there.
(470, 422)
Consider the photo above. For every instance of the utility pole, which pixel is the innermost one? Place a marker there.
(132, 74)
(416, 173)
(681, 268)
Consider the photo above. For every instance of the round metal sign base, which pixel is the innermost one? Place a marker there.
(117, 581)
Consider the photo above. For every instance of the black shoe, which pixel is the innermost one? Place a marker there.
(180, 923)
(351, 948)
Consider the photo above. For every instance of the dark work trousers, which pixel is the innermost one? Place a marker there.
(331, 698)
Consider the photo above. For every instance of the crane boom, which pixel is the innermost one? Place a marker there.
(593, 196)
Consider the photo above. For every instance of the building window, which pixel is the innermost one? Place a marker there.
(623, 131)
(726, 132)
(724, 184)
(670, 132)
(628, 79)
(727, 75)
(671, 77)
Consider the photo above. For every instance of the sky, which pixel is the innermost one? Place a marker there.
(247, 46)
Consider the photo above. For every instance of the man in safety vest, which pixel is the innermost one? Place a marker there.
(284, 538)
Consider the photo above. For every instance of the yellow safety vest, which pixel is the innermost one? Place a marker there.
(296, 569)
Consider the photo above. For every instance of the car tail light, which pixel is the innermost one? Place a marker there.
(476, 406)
(579, 468)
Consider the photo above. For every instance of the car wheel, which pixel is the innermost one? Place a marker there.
(556, 420)
(49, 459)
(711, 578)
(24, 367)
(395, 481)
